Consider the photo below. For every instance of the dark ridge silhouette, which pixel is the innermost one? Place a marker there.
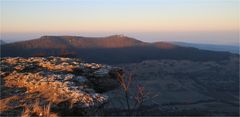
(114, 49)
(2, 42)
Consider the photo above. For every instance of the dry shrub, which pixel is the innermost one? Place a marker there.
(4, 103)
(33, 93)
(125, 83)
(50, 93)
(53, 95)
(140, 95)
(26, 112)
(37, 110)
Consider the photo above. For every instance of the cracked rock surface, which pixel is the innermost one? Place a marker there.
(55, 80)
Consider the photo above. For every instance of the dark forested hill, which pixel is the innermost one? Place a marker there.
(112, 49)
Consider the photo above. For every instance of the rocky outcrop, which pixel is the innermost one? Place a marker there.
(56, 80)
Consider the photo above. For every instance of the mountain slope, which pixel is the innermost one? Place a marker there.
(212, 47)
(56, 42)
(112, 49)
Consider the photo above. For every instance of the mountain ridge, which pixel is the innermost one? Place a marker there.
(114, 49)
(113, 41)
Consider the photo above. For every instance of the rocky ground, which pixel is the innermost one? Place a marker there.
(56, 86)
(182, 87)
(53, 86)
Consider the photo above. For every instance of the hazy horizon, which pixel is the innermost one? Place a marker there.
(194, 21)
(189, 37)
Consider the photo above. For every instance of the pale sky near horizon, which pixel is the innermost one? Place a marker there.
(139, 18)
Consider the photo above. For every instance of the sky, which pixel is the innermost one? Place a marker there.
(198, 21)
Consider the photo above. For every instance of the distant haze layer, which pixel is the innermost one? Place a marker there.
(198, 21)
(219, 38)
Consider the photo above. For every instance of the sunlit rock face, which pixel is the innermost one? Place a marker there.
(59, 81)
